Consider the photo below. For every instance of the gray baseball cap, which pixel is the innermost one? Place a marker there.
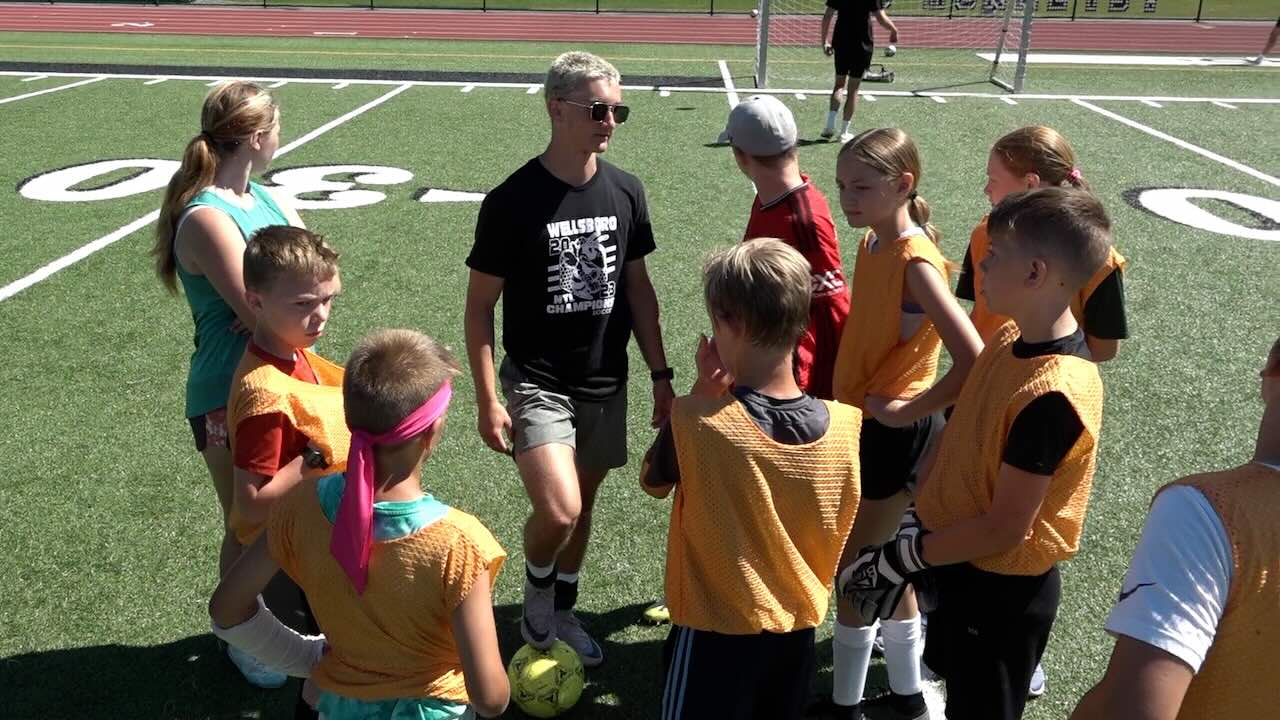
(760, 125)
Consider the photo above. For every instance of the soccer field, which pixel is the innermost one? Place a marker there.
(107, 515)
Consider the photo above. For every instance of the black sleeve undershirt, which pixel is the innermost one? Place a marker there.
(964, 286)
(1104, 315)
(1042, 434)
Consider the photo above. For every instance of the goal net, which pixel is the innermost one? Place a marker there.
(989, 39)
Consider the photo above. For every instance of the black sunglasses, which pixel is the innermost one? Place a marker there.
(600, 111)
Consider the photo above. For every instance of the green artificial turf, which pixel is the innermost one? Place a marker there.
(106, 514)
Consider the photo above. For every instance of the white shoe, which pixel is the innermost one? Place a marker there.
(569, 629)
(1038, 682)
(1254, 60)
(846, 137)
(256, 673)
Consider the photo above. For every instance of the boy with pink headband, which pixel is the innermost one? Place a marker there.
(399, 582)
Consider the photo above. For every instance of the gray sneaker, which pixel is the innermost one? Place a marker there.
(569, 629)
(537, 619)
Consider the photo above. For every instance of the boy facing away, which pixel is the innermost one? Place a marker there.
(766, 488)
(1195, 621)
(399, 582)
(1006, 497)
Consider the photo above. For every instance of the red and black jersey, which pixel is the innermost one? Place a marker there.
(802, 219)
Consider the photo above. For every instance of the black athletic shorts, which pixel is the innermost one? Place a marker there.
(889, 455)
(986, 635)
(736, 677)
(852, 58)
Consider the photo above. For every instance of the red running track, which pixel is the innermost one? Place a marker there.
(1112, 34)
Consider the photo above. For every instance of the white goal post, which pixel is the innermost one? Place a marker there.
(787, 36)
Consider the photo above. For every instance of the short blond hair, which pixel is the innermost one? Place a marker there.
(576, 68)
(765, 286)
(390, 374)
(279, 249)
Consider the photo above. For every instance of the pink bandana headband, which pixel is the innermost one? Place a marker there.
(353, 527)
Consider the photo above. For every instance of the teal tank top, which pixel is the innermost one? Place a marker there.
(217, 349)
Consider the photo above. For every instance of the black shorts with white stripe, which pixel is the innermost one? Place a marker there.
(736, 677)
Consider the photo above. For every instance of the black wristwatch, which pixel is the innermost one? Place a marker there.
(313, 458)
(665, 373)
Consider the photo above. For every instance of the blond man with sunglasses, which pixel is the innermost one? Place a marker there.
(562, 242)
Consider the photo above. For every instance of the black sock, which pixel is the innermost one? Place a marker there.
(566, 594)
(540, 582)
(907, 704)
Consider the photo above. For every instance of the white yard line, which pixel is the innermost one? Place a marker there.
(729, 89)
(81, 253)
(54, 89)
(867, 96)
(1152, 103)
(1228, 106)
(34, 78)
(713, 90)
(1180, 143)
(468, 88)
(1008, 101)
(155, 81)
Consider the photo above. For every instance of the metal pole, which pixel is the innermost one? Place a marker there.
(713, 7)
(1199, 10)
(597, 7)
(951, 6)
(762, 45)
(1074, 4)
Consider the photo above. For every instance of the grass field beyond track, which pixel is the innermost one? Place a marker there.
(106, 515)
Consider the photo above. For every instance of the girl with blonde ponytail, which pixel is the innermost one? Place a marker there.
(901, 314)
(1034, 157)
(211, 209)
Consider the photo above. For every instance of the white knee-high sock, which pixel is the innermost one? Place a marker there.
(902, 645)
(851, 647)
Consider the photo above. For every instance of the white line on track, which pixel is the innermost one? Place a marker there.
(1008, 101)
(1228, 106)
(712, 90)
(81, 253)
(155, 81)
(34, 78)
(1152, 103)
(729, 89)
(46, 91)
(1180, 143)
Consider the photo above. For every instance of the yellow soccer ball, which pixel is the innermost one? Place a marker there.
(545, 683)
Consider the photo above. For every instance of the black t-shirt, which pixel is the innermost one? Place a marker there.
(791, 422)
(1104, 315)
(853, 23)
(1048, 427)
(561, 252)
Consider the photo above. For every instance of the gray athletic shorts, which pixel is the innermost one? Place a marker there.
(597, 431)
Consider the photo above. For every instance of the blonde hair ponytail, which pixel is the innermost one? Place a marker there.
(892, 153)
(1043, 151)
(232, 113)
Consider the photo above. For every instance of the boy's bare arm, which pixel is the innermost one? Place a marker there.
(476, 635)
(483, 291)
(826, 30)
(255, 493)
(1014, 506)
(1102, 349)
(1142, 682)
(883, 18)
(648, 331)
